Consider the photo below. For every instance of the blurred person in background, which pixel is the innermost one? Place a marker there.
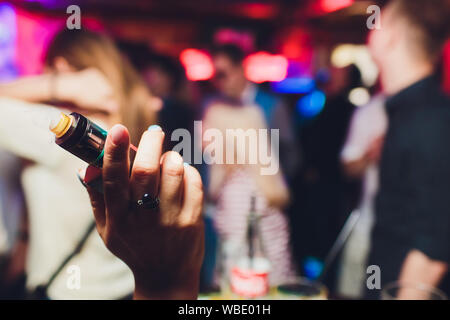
(165, 77)
(230, 81)
(411, 236)
(233, 87)
(359, 157)
(84, 72)
(325, 196)
(232, 186)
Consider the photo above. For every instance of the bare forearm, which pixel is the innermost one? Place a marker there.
(418, 268)
(40, 88)
(32, 89)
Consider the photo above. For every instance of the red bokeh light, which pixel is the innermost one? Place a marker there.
(333, 5)
(263, 66)
(33, 36)
(198, 64)
(447, 67)
(258, 10)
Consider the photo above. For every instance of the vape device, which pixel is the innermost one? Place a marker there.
(86, 140)
(81, 137)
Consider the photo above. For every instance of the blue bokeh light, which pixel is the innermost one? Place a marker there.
(311, 104)
(8, 32)
(312, 268)
(294, 85)
(7, 24)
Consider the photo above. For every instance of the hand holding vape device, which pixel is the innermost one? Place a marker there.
(84, 139)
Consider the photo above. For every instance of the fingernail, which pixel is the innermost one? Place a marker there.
(185, 164)
(154, 127)
(117, 134)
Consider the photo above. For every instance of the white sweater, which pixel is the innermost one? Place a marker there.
(59, 211)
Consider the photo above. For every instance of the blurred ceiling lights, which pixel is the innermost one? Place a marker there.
(294, 85)
(346, 54)
(311, 104)
(334, 5)
(198, 64)
(262, 66)
(359, 96)
(257, 10)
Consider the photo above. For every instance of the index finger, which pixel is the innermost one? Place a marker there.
(116, 166)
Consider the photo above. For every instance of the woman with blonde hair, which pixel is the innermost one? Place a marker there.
(84, 72)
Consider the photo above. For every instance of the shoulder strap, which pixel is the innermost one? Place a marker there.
(78, 248)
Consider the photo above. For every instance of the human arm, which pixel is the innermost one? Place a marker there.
(24, 131)
(356, 166)
(420, 269)
(33, 88)
(429, 210)
(365, 138)
(87, 89)
(268, 176)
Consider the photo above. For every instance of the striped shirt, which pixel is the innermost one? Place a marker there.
(231, 217)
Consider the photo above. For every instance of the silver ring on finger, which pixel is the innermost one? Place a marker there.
(147, 202)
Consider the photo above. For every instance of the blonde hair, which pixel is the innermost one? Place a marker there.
(85, 49)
